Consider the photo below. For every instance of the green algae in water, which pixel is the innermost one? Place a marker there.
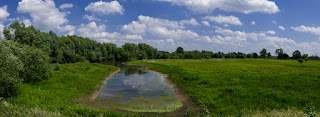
(139, 90)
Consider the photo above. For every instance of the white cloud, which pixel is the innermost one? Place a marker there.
(105, 8)
(27, 22)
(3, 14)
(135, 27)
(99, 32)
(134, 37)
(44, 14)
(274, 22)
(14, 19)
(302, 28)
(281, 27)
(243, 6)
(91, 18)
(161, 28)
(190, 22)
(206, 23)
(271, 32)
(92, 30)
(173, 34)
(253, 23)
(66, 5)
(3, 17)
(224, 19)
(228, 40)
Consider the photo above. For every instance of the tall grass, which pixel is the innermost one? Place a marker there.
(59, 92)
(236, 87)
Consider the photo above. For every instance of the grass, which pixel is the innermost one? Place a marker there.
(240, 87)
(60, 92)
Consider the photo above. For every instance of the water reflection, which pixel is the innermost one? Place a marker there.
(135, 87)
(129, 70)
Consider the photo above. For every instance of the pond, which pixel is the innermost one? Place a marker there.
(137, 89)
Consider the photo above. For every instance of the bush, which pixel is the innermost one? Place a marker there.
(10, 67)
(9, 86)
(36, 64)
(300, 60)
(20, 63)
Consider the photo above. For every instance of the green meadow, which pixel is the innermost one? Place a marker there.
(222, 87)
(246, 87)
(57, 95)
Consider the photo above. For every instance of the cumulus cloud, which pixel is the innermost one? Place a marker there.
(302, 28)
(91, 18)
(271, 32)
(253, 23)
(274, 22)
(243, 6)
(44, 14)
(281, 27)
(3, 17)
(224, 19)
(3, 14)
(228, 40)
(190, 22)
(206, 23)
(66, 5)
(27, 22)
(105, 8)
(99, 32)
(161, 27)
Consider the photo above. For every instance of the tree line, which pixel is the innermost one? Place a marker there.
(70, 49)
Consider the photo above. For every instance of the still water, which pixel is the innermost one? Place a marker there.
(137, 89)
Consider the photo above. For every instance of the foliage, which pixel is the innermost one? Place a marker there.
(180, 50)
(238, 86)
(310, 110)
(296, 54)
(20, 63)
(300, 60)
(263, 53)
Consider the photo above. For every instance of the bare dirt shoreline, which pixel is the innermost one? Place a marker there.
(96, 93)
(189, 107)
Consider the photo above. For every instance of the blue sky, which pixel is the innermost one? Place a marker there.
(214, 25)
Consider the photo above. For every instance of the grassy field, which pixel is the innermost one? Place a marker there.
(57, 94)
(245, 86)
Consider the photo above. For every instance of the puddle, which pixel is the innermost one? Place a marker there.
(137, 89)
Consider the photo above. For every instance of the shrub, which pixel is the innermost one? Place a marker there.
(300, 60)
(10, 67)
(36, 64)
(9, 86)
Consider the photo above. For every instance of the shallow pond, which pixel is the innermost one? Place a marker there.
(137, 89)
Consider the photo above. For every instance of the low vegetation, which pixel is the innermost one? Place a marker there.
(60, 92)
(243, 86)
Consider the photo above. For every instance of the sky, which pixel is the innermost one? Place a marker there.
(214, 25)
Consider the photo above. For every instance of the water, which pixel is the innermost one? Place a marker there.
(137, 89)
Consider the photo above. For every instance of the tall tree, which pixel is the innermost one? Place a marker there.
(296, 54)
(180, 50)
(263, 53)
(280, 53)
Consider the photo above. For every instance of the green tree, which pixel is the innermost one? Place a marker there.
(263, 53)
(280, 53)
(296, 54)
(255, 55)
(179, 50)
(305, 56)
